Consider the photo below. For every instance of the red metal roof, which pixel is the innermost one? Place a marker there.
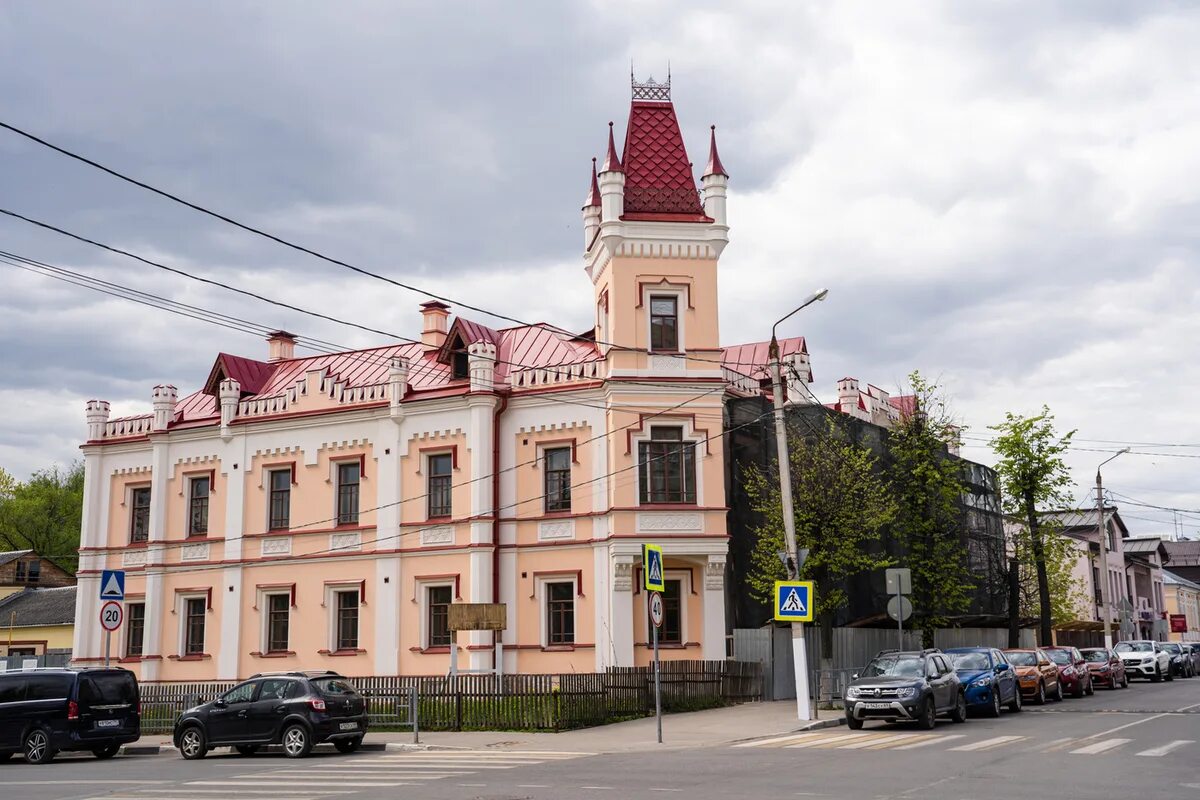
(593, 197)
(906, 404)
(249, 373)
(658, 175)
(752, 360)
(715, 167)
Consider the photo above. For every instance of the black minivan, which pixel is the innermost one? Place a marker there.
(45, 711)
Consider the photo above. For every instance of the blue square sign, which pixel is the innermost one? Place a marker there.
(794, 601)
(112, 584)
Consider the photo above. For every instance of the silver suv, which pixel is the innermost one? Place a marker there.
(914, 686)
(1145, 659)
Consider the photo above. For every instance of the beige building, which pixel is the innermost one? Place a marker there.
(1182, 599)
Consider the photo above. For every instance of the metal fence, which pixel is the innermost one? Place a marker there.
(8, 663)
(513, 702)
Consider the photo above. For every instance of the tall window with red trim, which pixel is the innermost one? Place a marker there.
(668, 467)
(135, 627)
(557, 479)
(347, 620)
(198, 491)
(193, 639)
(560, 613)
(349, 473)
(437, 600)
(139, 514)
(281, 499)
(441, 467)
(664, 324)
(278, 619)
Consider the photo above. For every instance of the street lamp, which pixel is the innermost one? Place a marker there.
(1105, 578)
(799, 651)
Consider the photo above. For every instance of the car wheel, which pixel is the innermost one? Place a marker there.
(296, 741)
(1017, 703)
(106, 752)
(928, 716)
(1157, 676)
(959, 714)
(1091, 687)
(1078, 691)
(350, 745)
(1041, 695)
(994, 711)
(1125, 681)
(193, 744)
(1170, 674)
(247, 749)
(1058, 692)
(37, 747)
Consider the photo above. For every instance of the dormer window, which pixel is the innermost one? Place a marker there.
(461, 364)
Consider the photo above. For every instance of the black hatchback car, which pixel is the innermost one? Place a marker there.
(915, 686)
(47, 711)
(294, 709)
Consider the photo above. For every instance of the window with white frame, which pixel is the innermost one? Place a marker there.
(664, 323)
(135, 629)
(139, 514)
(667, 467)
(674, 627)
(193, 618)
(437, 615)
(560, 612)
(440, 467)
(279, 487)
(345, 621)
(199, 488)
(349, 473)
(557, 479)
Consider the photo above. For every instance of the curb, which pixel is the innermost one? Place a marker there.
(818, 724)
(366, 747)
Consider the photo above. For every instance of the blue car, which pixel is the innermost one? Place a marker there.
(990, 681)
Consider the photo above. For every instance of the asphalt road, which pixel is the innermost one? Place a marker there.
(1141, 743)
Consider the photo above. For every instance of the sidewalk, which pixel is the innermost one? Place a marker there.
(691, 730)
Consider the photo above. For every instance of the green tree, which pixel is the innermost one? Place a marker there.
(928, 486)
(1034, 479)
(43, 513)
(841, 503)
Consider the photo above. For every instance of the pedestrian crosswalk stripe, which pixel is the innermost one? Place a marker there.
(881, 741)
(932, 740)
(1155, 752)
(904, 738)
(404, 775)
(1065, 744)
(239, 782)
(987, 744)
(1102, 746)
(779, 741)
(823, 740)
(194, 791)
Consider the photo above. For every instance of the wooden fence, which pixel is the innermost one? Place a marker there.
(516, 702)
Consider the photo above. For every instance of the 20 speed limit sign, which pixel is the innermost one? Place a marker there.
(111, 615)
(656, 609)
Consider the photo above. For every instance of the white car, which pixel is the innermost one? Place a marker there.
(1145, 659)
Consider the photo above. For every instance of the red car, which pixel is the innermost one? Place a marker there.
(1073, 672)
(1106, 667)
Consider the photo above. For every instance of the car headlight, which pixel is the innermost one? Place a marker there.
(1069, 671)
(905, 691)
(852, 692)
(981, 682)
(1147, 659)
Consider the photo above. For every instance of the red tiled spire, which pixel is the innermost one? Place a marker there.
(715, 167)
(658, 175)
(593, 197)
(611, 162)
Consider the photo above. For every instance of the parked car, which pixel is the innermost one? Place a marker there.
(295, 709)
(1036, 674)
(906, 686)
(1073, 672)
(1181, 663)
(1145, 659)
(47, 711)
(1194, 651)
(1106, 667)
(990, 681)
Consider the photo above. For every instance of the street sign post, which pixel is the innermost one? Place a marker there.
(794, 601)
(111, 615)
(112, 584)
(652, 568)
(657, 613)
(899, 584)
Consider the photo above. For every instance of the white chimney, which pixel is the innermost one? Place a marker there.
(164, 399)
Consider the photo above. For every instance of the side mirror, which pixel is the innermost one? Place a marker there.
(219, 703)
(1001, 668)
(854, 677)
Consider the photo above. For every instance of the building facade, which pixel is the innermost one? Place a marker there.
(1182, 599)
(325, 511)
(26, 569)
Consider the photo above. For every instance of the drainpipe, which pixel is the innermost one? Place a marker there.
(500, 408)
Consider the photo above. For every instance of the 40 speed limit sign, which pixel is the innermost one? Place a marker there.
(111, 615)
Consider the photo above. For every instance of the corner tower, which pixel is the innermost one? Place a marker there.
(652, 243)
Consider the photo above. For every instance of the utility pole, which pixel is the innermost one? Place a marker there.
(792, 561)
(1104, 575)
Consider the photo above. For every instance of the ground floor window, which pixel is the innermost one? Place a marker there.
(346, 622)
(560, 613)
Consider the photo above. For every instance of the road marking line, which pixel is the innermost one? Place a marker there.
(1155, 752)
(533, 786)
(933, 739)
(901, 738)
(875, 741)
(986, 744)
(860, 740)
(598, 788)
(780, 740)
(306, 783)
(247, 791)
(73, 783)
(474, 785)
(387, 776)
(657, 789)
(1100, 747)
(1142, 721)
(824, 739)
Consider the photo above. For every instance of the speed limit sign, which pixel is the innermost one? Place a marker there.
(111, 615)
(656, 609)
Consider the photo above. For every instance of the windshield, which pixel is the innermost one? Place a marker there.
(1095, 656)
(966, 661)
(1134, 647)
(1022, 659)
(111, 688)
(1059, 656)
(894, 667)
(333, 686)
(1171, 647)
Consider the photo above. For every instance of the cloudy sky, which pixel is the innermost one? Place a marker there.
(1003, 195)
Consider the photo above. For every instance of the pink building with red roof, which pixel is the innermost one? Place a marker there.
(324, 511)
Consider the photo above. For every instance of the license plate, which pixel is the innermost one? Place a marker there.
(108, 723)
(348, 726)
(875, 705)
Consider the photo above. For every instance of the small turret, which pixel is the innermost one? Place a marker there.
(715, 182)
(591, 211)
(481, 357)
(612, 183)
(97, 418)
(229, 393)
(164, 398)
(397, 384)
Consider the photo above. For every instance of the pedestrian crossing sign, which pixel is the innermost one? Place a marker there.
(794, 601)
(652, 568)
